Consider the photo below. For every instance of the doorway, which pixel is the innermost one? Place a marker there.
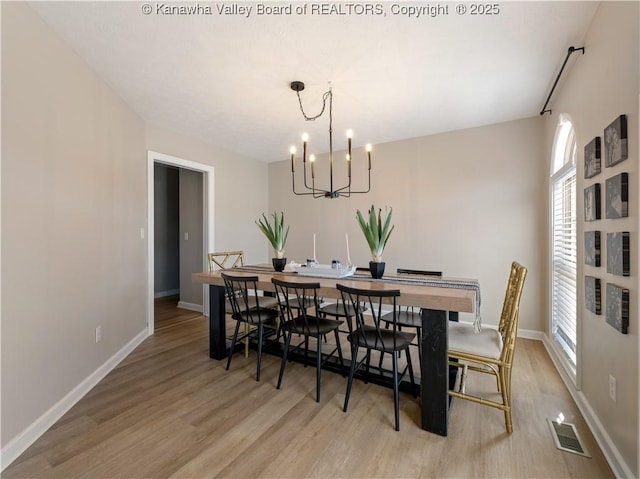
(188, 231)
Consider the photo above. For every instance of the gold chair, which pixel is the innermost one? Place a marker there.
(226, 260)
(490, 351)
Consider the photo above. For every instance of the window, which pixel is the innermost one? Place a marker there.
(564, 245)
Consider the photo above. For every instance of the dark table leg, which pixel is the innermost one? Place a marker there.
(435, 372)
(217, 327)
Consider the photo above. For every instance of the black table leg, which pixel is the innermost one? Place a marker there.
(435, 372)
(217, 326)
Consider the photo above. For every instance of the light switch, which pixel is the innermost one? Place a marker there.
(141, 233)
(186, 236)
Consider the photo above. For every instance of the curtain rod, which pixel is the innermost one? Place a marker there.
(569, 52)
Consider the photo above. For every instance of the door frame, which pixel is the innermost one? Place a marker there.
(154, 158)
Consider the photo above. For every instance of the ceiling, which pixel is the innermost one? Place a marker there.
(224, 78)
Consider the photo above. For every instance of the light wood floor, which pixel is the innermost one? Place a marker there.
(169, 411)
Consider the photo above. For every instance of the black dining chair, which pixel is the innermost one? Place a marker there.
(338, 309)
(246, 308)
(371, 335)
(410, 317)
(299, 315)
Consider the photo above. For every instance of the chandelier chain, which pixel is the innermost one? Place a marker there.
(328, 95)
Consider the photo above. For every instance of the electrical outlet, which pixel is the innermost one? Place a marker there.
(98, 333)
(612, 388)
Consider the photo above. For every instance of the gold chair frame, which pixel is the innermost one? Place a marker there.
(501, 367)
(226, 260)
(221, 259)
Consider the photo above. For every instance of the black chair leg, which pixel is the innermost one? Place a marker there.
(352, 370)
(396, 393)
(306, 350)
(366, 371)
(233, 344)
(260, 335)
(318, 366)
(284, 358)
(339, 351)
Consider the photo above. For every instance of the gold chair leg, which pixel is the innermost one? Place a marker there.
(506, 400)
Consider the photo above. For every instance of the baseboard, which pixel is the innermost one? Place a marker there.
(611, 453)
(190, 306)
(26, 438)
(164, 294)
(530, 334)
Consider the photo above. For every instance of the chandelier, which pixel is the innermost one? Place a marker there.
(331, 192)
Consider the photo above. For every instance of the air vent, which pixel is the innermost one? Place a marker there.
(566, 438)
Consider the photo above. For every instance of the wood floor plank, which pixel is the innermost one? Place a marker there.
(169, 411)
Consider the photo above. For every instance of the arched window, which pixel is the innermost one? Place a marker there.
(563, 242)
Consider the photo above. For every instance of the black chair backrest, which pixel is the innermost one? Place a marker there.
(373, 299)
(418, 271)
(238, 290)
(298, 301)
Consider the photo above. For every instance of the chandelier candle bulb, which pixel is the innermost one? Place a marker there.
(369, 154)
(292, 150)
(346, 237)
(349, 165)
(349, 136)
(312, 159)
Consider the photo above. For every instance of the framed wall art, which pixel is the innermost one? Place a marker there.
(616, 148)
(618, 254)
(618, 308)
(592, 202)
(593, 294)
(592, 156)
(617, 196)
(592, 248)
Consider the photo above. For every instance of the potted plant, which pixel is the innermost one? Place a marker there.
(377, 232)
(277, 236)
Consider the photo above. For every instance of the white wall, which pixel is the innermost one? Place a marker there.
(602, 84)
(73, 203)
(74, 199)
(240, 190)
(467, 203)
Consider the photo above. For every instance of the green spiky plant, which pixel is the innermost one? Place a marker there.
(275, 233)
(376, 230)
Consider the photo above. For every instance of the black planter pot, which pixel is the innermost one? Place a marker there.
(279, 264)
(377, 269)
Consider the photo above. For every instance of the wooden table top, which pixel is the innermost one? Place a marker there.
(411, 293)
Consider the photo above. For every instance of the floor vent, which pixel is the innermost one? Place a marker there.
(566, 438)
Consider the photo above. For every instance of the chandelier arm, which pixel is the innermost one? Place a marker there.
(348, 186)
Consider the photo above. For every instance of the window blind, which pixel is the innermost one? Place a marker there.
(564, 263)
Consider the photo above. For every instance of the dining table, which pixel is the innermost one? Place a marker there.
(437, 299)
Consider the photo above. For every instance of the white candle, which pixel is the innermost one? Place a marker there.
(314, 246)
(346, 236)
